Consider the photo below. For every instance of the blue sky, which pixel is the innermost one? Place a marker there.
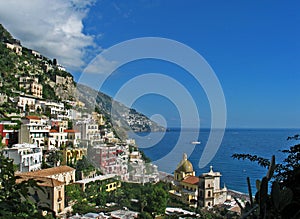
(252, 46)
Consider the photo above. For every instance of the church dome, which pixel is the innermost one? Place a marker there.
(185, 165)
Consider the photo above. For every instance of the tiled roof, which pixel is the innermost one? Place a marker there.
(191, 180)
(53, 131)
(50, 171)
(41, 181)
(70, 131)
(33, 117)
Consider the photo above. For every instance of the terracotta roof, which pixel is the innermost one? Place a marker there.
(42, 181)
(49, 171)
(70, 130)
(33, 117)
(191, 180)
(53, 130)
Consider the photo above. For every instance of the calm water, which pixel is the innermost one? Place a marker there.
(261, 142)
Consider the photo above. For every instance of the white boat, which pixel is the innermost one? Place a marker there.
(195, 142)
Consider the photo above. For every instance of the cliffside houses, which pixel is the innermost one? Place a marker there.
(27, 157)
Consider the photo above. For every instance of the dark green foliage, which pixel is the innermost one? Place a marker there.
(74, 192)
(14, 198)
(54, 157)
(152, 198)
(49, 93)
(83, 166)
(5, 36)
(283, 201)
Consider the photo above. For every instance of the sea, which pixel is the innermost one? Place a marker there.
(166, 149)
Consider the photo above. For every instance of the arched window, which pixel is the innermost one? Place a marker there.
(208, 193)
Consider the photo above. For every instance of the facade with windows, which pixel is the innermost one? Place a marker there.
(109, 182)
(28, 157)
(185, 187)
(210, 193)
(202, 191)
(52, 196)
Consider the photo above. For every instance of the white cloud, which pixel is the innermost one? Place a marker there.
(54, 28)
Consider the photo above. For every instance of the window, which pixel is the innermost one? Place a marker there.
(208, 193)
(48, 195)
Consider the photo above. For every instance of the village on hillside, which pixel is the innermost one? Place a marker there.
(84, 168)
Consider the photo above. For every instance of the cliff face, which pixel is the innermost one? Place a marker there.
(25, 71)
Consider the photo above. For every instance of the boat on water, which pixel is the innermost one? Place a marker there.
(195, 142)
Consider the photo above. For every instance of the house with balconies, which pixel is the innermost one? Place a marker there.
(35, 131)
(27, 157)
(73, 137)
(89, 130)
(31, 85)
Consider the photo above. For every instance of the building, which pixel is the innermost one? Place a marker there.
(71, 155)
(89, 130)
(52, 194)
(203, 190)
(34, 131)
(108, 159)
(185, 187)
(15, 47)
(63, 174)
(210, 193)
(28, 157)
(8, 133)
(56, 139)
(73, 137)
(26, 102)
(31, 86)
(53, 180)
(109, 181)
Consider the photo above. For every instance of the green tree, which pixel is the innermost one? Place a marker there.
(83, 166)
(14, 197)
(54, 157)
(284, 200)
(157, 200)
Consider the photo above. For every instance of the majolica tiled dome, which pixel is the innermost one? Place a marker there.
(185, 165)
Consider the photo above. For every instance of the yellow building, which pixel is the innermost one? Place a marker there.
(53, 180)
(186, 183)
(71, 155)
(109, 180)
(52, 196)
(203, 191)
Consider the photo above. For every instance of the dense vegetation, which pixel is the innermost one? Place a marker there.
(284, 199)
(14, 198)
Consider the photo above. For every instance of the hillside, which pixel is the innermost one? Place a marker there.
(22, 68)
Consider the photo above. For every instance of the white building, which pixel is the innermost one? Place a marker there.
(89, 130)
(34, 131)
(210, 193)
(27, 156)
